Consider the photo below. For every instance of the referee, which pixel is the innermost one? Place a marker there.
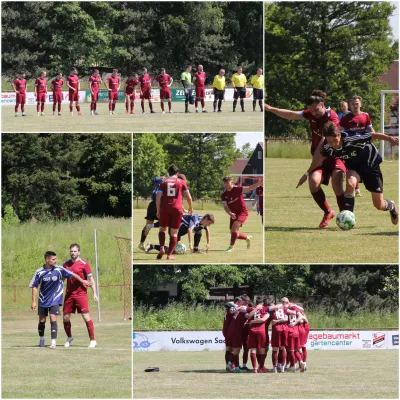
(239, 87)
(257, 82)
(219, 89)
(186, 79)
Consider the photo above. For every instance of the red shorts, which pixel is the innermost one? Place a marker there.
(228, 341)
(41, 97)
(236, 339)
(304, 334)
(113, 96)
(57, 97)
(241, 217)
(165, 94)
(200, 92)
(293, 343)
(73, 96)
(78, 304)
(246, 333)
(20, 98)
(257, 339)
(328, 166)
(279, 338)
(171, 218)
(146, 94)
(95, 96)
(131, 96)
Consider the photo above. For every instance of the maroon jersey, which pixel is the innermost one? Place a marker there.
(228, 317)
(113, 83)
(73, 81)
(81, 268)
(172, 190)
(131, 83)
(200, 79)
(163, 80)
(280, 313)
(317, 125)
(238, 322)
(234, 200)
(298, 311)
(95, 81)
(20, 85)
(258, 315)
(356, 123)
(260, 193)
(57, 84)
(41, 85)
(145, 81)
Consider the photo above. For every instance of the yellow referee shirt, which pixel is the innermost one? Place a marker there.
(239, 80)
(257, 81)
(219, 82)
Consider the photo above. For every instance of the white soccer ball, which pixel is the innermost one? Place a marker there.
(346, 220)
(180, 248)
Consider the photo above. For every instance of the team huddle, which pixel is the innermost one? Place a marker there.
(143, 82)
(246, 326)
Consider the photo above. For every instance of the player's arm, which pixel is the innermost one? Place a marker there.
(93, 286)
(188, 198)
(259, 320)
(70, 85)
(34, 295)
(255, 199)
(170, 81)
(251, 313)
(208, 237)
(14, 88)
(286, 114)
(190, 238)
(35, 88)
(119, 85)
(83, 281)
(250, 188)
(228, 211)
(106, 85)
(381, 136)
(279, 321)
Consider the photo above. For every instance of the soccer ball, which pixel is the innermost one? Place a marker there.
(346, 220)
(180, 248)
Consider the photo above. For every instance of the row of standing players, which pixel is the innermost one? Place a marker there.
(246, 326)
(113, 84)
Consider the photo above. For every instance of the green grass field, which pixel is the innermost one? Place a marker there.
(292, 233)
(227, 121)
(331, 374)
(220, 239)
(75, 372)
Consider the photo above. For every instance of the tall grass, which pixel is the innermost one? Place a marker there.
(290, 148)
(189, 316)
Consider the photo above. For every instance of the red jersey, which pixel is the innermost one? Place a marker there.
(73, 81)
(41, 85)
(57, 84)
(356, 123)
(145, 81)
(228, 317)
(20, 85)
(317, 125)
(131, 83)
(260, 193)
(81, 268)
(113, 83)
(172, 190)
(234, 199)
(238, 322)
(280, 313)
(163, 80)
(95, 81)
(200, 79)
(298, 311)
(258, 315)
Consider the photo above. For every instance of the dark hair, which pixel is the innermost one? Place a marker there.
(356, 98)
(75, 245)
(259, 300)
(49, 254)
(74, 69)
(58, 73)
(173, 170)
(237, 299)
(227, 178)
(330, 129)
(317, 96)
(244, 297)
(96, 70)
(115, 70)
(21, 73)
(210, 217)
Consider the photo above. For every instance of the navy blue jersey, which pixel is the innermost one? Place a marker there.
(156, 182)
(190, 221)
(51, 285)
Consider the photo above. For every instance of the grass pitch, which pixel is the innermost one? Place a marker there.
(330, 375)
(220, 239)
(226, 121)
(29, 371)
(292, 219)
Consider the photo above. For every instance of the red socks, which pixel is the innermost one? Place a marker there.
(173, 240)
(78, 107)
(234, 236)
(71, 108)
(127, 106)
(90, 328)
(274, 358)
(320, 199)
(42, 107)
(298, 356)
(162, 105)
(161, 238)
(142, 104)
(202, 102)
(170, 105)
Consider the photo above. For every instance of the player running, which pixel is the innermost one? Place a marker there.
(199, 81)
(164, 82)
(113, 84)
(74, 86)
(57, 84)
(50, 280)
(76, 299)
(41, 93)
(219, 89)
(145, 90)
(190, 223)
(362, 161)
(130, 94)
(257, 82)
(94, 87)
(170, 209)
(239, 87)
(318, 115)
(19, 87)
(235, 207)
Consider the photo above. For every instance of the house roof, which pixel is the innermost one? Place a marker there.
(261, 144)
(238, 166)
(391, 77)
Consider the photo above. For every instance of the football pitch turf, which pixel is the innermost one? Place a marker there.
(226, 121)
(220, 239)
(29, 371)
(331, 375)
(292, 217)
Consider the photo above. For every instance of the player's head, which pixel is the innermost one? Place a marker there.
(228, 182)
(43, 74)
(59, 75)
(21, 74)
(96, 72)
(208, 220)
(356, 104)
(332, 135)
(163, 72)
(200, 68)
(259, 71)
(259, 300)
(222, 72)
(144, 71)
(50, 258)
(188, 68)
(173, 170)
(114, 72)
(237, 300)
(344, 107)
(316, 105)
(74, 71)
(245, 299)
(181, 176)
(74, 251)
(285, 301)
(239, 70)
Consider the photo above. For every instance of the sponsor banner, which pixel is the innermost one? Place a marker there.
(179, 94)
(9, 98)
(214, 340)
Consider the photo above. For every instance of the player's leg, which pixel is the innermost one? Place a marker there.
(161, 237)
(228, 355)
(274, 358)
(132, 103)
(71, 108)
(253, 359)
(142, 103)
(67, 326)
(197, 238)
(150, 104)
(173, 241)
(170, 104)
(54, 311)
(242, 96)
(261, 355)
(203, 103)
(89, 325)
(127, 103)
(386, 205)
(77, 105)
(196, 103)
(145, 231)
(42, 312)
(336, 168)
(109, 103)
(162, 105)
(245, 355)
(221, 97)
(235, 98)
(234, 229)
(43, 102)
(17, 97)
(215, 100)
(352, 178)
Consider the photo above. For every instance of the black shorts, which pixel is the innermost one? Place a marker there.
(189, 96)
(45, 311)
(258, 94)
(183, 230)
(371, 177)
(151, 212)
(218, 94)
(240, 92)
